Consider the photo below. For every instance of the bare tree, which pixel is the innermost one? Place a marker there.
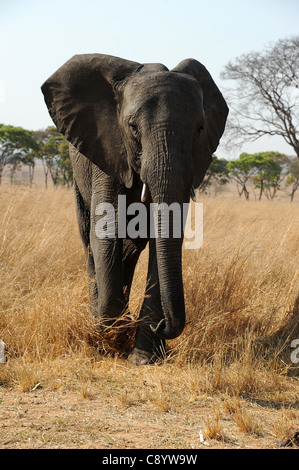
(265, 97)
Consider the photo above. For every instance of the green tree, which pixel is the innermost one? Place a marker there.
(217, 171)
(41, 138)
(29, 160)
(268, 173)
(261, 168)
(240, 171)
(65, 163)
(53, 151)
(292, 179)
(16, 144)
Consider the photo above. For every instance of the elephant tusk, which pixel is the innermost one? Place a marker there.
(160, 326)
(192, 194)
(144, 193)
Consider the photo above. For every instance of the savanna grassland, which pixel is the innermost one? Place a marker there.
(227, 382)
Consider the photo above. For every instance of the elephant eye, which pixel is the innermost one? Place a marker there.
(200, 129)
(133, 128)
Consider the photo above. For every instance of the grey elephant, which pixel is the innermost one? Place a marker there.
(148, 133)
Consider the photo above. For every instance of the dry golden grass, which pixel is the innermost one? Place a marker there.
(241, 292)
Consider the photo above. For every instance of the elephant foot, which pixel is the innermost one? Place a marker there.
(138, 357)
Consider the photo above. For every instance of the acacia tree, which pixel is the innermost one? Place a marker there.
(53, 151)
(16, 144)
(58, 161)
(263, 169)
(268, 173)
(217, 171)
(29, 160)
(240, 172)
(41, 138)
(292, 180)
(264, 98)
(64, 163)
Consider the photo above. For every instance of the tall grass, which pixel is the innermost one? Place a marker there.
(43, 296)
(242, 285)
(240, 288)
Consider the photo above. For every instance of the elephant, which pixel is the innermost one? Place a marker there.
(148, 133)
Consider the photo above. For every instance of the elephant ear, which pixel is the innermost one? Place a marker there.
(216, 111)
(80, 97)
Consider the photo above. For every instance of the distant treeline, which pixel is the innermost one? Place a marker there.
(20, 147)
(269, 172)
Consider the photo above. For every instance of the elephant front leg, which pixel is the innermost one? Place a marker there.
(107, 256)
(147, 346)
(106, 248)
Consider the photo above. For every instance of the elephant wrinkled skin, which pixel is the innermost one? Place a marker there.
(132, 126)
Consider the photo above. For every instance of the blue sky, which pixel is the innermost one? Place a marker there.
(37, 37)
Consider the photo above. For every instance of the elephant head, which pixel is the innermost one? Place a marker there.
(128, 119)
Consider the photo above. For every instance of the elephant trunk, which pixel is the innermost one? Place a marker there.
(169, 184)
(171, 289)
